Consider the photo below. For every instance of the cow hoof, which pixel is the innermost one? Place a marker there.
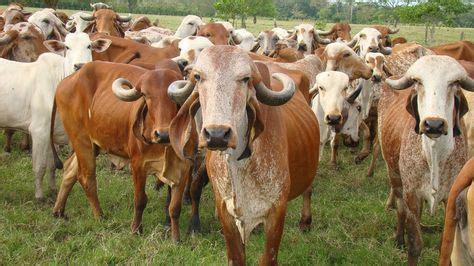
(194, 227)
(60, 215)
(333, 166)
(158, 185)
(187, 199)
(137, 230)
(370, 173)
(431, 229)
(359, 158)
(305, 223)
(399, 242)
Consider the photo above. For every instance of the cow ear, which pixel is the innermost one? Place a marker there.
(54, 46)
(138, 124)
(100, 45)
(461, 108)
(255, 126)
(183, 132)
(412, 108)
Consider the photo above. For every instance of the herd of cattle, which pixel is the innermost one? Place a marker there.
(250, 114)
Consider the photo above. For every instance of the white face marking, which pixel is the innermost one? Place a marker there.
(332, 87)
(188, 26)
(195, 44)
(304, 34)
(367, 37)
(338, 61)
(46, 21)
(78, 51)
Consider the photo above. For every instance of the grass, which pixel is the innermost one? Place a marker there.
(350, 225)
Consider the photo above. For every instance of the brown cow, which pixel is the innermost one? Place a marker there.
(458, 237)
(23, 43)
(215, 32)
(259, 157)
(398, 40)
(339, 30)
(460, 50)
(14, 14)
(141, 23)
(138, 123)
(385, 34)
(421, 140)
(106, 21)
(130, 52)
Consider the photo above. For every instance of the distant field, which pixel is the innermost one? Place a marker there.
(411, 33)
(350, 225)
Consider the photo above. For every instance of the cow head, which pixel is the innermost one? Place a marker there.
(385, 34)
(22, 43)
(369, 40)
(436, 104)
(189, 49)
(340, 30)
(403, 56)
(340, 57)
(216, 33)
(267, 41)
(153, 117)
(77, 49)
(140, 23)
(228, 94)
(106, 21)
(189, 26)
(100, 5)
(76, 23)
(307, 38)
(51, 26)
(341, 111)
(14, 14)
(376, 62)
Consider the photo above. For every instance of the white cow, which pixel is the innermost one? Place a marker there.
(281, 33)
(308, 38)
(189, 26)
(243, 39)
(190, 48)
(75, 21)
(368, 40)
(336, 110)
(51, 26)
(27, 95)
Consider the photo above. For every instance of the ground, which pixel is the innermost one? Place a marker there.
(350, 224)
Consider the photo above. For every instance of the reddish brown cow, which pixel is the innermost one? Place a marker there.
(141, 23)
(460, 50)
(106, 21)
(136, 129)
(215, 32)
(258, 157)
(458, 236)
(398, 40)
(130, 52)
(385, 34)
(339, 30)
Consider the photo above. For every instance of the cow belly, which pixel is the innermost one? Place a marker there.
(15, 110)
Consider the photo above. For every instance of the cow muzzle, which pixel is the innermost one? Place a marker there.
(218, 138)
(376, 78)
(302, 47)
(333, 119)
(162, 137)
(374, 49)
(434, 127)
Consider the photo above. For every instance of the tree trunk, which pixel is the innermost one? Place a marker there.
(254, 19)
(432, 34)
(275, 23)
(426, 33)
(350, 11)
(242, 22)
(51, 3)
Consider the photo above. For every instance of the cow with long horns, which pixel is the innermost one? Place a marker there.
(252, 182)
(421, 140)
(308, 38)
(368, 40)
(106, 21)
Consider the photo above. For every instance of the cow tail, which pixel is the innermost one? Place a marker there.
(57, 161)
(462, 181)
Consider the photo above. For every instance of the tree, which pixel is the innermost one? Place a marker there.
(51, 3)
(230, 9)
(432, 13)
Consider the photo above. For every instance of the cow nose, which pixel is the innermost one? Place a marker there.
(333, 119)
(302, 47)
(373, 49)
(376, 78)
(182, 63)
(266, 53)
(162, 137)
(217, 138)
(77, 66)
(434, 127)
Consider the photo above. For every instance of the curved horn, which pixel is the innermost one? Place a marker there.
(390, 31)
(180, 90)
(87, 18)
(70, 25)
(400, 84)
(351, 99)
(129, 95)
(321, 40)
(275, 98)
(8, 37)
(124, 18)
(353, 42)
(325, 33)
(62, 30)
(384, 50)
(467, 83)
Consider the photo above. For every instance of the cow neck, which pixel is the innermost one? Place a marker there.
(436, 152)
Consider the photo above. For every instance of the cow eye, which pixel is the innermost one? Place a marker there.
(208, 35)
(359, 108)
(362, 35)
(197, 77)
(367, 61)
(89, 46)
(246, 79)
(27, 37)
(320, 88)
(46, 21)
(347, 55)
(67, 48)
(190, 23)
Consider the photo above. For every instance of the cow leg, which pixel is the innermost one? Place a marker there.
(401, 221)
(25, 142)
(167, 207)
(41, 152)
(51, 169)
(365, 132)
(187, 192)
(8, 140)
(140, 198)
(199, 180)
(233, 242)
(68, 181)
(415, 242)
(175, 205)
(305, 221)
(273, 232)
(334, 147)
(375, 156)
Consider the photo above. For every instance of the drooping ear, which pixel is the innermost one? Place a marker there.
(100, 45)
(255, 126)
(54, 46)
(183, 133)
(461, 108)
(90, 28)
(412, 108)
(119, 29)
(138, 124)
